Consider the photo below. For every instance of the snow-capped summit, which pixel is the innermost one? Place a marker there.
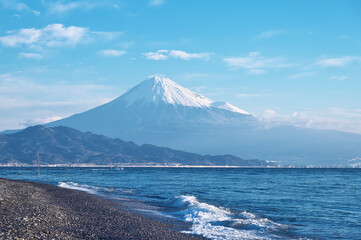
(158, 89)
(157, 104)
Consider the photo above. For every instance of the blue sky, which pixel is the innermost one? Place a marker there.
(287, 62)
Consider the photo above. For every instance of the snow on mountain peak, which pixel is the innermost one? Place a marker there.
(158, 89)
(229, 107)
(161, 89)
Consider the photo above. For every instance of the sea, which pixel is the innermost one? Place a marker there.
(226, 203)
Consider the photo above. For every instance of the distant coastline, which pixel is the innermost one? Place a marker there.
(136, 165)
(159, 166)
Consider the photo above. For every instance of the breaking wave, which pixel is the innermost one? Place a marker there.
(220, 223)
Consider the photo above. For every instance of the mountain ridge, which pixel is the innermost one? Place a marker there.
(64, 145)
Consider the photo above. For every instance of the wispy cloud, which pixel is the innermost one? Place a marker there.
(333, 119)
(165, 54)
(13, 4)
(302, 75)
(23, 36)
(39, 121)
(338, 78)
(256, 71)
(339, 62)
(187, 56)
(269, 34)
(111, 53)
(59, 7)
(53, 35)
(255, 63)
(17, 5)
(31, 55)
(23, 100)
(63, 7)
(156, 2)
(26, 92)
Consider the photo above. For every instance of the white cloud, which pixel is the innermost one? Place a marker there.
(339, 78)
(112, 53)
(165, 54)
(354, 113)
(31, 55)
(333, 119)
(60, 35)
(268, 113)
(269, 34)
(187, 56)
(52, 35)
(158, 55)
(39, 121)
(254, 61)
(339, 62)
(23, 36)
(156, 2)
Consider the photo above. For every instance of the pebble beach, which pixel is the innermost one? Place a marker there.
(30, 210)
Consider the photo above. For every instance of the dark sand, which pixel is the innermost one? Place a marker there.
(31, 210)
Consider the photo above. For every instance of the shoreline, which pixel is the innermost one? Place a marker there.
(170, 166)
(42, 211)
(139, 166)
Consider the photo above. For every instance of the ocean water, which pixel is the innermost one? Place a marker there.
(225, 203)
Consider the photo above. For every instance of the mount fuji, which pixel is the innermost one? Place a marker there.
(161, 112)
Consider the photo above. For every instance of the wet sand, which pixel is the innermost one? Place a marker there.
(30, 210)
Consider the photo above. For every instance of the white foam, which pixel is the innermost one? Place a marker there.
(199, 212)
(84, 187)
(155, 212)
(219, 223)
(252, 219)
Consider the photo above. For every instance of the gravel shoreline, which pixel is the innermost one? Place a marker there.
(30, 210)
